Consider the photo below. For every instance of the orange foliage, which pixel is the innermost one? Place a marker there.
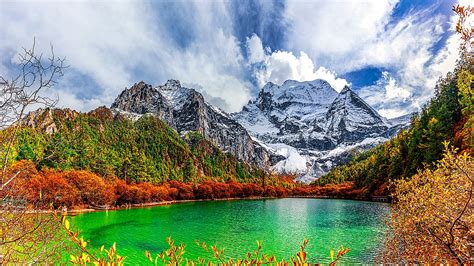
(184, 191)
(18, 175)
(220, 190)
(235, 189)
(251, 190)
(92, 188)
(203, 191)
(50, 188)
(75, 187)
(342, 190)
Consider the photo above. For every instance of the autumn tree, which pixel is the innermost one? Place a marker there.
(433, 213)
(24, 234)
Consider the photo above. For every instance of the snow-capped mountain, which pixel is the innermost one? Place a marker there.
(312, 127)
(305, 128)
(186, 110)
(287, 113)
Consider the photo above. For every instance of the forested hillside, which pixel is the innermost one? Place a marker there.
(145, 150)
(447, 117)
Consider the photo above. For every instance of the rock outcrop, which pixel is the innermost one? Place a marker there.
(185, 110)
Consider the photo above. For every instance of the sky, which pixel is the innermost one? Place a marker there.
(391, 52)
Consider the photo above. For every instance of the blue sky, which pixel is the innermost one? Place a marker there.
(390, 51)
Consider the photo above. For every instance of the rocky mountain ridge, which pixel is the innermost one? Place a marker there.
(186, 110)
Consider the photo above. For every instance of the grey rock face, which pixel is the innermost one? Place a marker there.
(142, 98)
(186, 110)
(44, 118)
(350, 119)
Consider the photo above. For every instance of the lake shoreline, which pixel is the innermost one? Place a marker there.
(159, 203)
(172, 202)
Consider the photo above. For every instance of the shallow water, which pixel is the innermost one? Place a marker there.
(281, 224)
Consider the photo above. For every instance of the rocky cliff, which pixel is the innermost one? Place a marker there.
(185, 110)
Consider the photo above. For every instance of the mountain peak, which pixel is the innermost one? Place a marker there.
(172, 83)
(142, 98)
(351, 119)
(346, 89)
(349, 99)
(268, 86)
(184, 109)
(306, 92)
(138, 87)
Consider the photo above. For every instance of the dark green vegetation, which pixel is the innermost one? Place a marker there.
(145, 150)
(442, 119)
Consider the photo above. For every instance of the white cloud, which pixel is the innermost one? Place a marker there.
(114, 43)
(255, 48)
(392, 91)
(388, 98)
(363, 34)
(332, 31)
(279, 66)
(392, 113)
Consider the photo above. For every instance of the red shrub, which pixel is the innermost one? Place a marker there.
(270, 191)
(301, 191)
(19, 173)
(173, 193)
(251, 189)
(121, 189)
(146, 192)
(203, 191)
(132, 194)
(221, 190)
(281, 192)
(51, 188)
(92, 188)
(162, 193)
(235, 189)
(155, 193)
(185, 191)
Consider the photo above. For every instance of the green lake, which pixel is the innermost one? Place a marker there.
(281, 224)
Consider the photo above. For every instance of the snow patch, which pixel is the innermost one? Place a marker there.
(294, 162)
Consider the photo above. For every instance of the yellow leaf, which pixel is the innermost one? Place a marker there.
(66, 224)
(332, 254)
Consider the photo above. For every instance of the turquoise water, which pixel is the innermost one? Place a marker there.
(281, 224)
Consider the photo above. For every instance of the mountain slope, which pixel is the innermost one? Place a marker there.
(186, 110)
(111, 145)
(420, 145)
(350, 119)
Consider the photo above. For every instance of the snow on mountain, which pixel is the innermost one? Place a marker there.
(350, 119)
(401, 120)
(311, 127)
(294, 162)
(302, 101)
